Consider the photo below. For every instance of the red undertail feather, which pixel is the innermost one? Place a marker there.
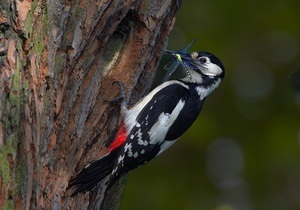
(120, 138)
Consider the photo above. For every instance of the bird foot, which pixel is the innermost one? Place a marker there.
(121, 96)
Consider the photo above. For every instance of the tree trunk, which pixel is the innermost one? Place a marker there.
(58, 62)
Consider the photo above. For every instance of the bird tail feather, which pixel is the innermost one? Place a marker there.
(94, 173)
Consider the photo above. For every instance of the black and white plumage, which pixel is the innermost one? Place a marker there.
(156, 121)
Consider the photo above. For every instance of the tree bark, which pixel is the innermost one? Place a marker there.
(58, 62)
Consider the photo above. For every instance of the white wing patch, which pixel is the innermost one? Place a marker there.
(159, 130)
(131, 115)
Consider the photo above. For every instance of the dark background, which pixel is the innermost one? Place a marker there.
(243, 151)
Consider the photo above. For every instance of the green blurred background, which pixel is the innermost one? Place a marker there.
(243, 151)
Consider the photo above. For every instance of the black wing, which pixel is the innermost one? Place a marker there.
(187, 116)
(138, 149)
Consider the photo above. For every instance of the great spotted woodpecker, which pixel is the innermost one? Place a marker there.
(156, 121)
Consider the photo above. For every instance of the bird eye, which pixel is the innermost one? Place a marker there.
(203, 60)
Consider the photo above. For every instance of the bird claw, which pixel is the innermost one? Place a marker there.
(121, 96)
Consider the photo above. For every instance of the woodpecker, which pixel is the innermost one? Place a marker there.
(157, 121)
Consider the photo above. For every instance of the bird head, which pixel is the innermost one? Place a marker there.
(201, 65)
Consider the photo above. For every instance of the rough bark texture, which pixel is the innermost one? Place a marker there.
(58, 62)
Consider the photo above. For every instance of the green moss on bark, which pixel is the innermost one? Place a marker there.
(12, 170)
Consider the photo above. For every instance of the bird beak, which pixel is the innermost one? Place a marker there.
(179, 56)
(185, 59)
(174, 54)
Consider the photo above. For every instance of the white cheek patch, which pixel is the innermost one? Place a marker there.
(211, 69)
